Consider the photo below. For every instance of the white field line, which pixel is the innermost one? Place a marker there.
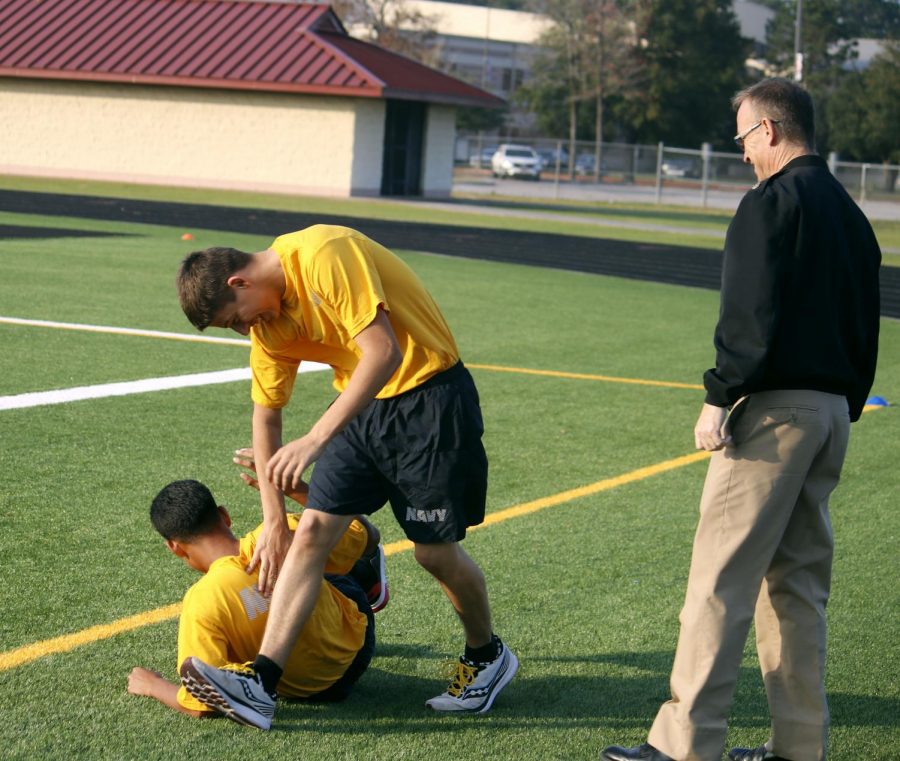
(125, 388)
(197, 338)
(103, 390)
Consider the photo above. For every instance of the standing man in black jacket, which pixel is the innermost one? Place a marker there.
(796, 345)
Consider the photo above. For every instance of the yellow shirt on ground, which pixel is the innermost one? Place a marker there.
(336, 280)
(223, 618)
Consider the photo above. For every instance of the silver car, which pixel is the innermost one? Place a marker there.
(516, 161)
(680, 167)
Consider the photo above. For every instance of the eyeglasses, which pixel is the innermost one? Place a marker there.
(739, 138)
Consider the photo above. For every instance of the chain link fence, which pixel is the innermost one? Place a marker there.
(658, 166)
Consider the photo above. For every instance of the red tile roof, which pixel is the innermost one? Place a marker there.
(255, 45)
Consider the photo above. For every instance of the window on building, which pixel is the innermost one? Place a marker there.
(512, 79)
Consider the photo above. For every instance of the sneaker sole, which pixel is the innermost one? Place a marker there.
(199, 688)
(382, 600)
(504, 680)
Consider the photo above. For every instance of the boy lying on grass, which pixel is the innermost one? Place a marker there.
(224, 615)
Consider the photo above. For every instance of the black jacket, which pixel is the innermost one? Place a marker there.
(800, 301)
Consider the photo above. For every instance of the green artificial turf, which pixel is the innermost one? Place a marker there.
(587, 592)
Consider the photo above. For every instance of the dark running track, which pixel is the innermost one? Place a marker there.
(678, 265)
(43, 233)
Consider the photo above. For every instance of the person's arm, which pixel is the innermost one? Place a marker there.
(244, 458)
(151, 684)
(275, 539)
(380, 358)
(757, 248)
(758, 251)
(360, 539)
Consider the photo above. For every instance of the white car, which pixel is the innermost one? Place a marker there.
(679, 167)
(516, 161)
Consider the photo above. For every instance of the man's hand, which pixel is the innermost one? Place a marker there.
(244, 458)
(271, 549)
(142, 681)
(285, 468)
(708, 430)
(379, 359)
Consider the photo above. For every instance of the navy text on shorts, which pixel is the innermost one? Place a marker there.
(421, 451)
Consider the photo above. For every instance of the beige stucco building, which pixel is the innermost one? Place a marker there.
(325, 115)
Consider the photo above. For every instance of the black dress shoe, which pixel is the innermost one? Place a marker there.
(762, 753)
(645, 752)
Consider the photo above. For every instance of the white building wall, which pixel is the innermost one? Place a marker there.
(181, 136)
(368, 148)
(491, 48)
(480, 22)
(440, 141)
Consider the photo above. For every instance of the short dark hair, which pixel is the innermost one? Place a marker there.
(184, 510)
(202, 282)
(785, 102)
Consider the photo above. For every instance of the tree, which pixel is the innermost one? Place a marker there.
(584, 61)
(394, 25)
(828, 32)
(478, 119)
(610, 42)
(828, 41)
(864, 113)
(691, 58)
(545, 93)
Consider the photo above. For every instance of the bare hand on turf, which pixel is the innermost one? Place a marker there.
(141, 681)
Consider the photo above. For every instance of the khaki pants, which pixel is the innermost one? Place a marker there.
(764, 542)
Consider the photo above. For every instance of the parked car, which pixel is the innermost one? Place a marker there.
(516, 161)
(679, 167)
(548, 158)
(586, 162)
(483, 159)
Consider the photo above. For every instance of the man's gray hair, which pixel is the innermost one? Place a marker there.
(785, 102)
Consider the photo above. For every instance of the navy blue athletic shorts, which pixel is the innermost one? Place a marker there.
(349, 587)
(421, 451)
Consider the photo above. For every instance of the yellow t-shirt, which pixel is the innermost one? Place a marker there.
(336, 280)
(223, 618)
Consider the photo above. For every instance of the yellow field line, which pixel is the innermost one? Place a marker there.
(28, 653)
(22, 655)
(245, 342)
(585, 376)
(567, 496)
